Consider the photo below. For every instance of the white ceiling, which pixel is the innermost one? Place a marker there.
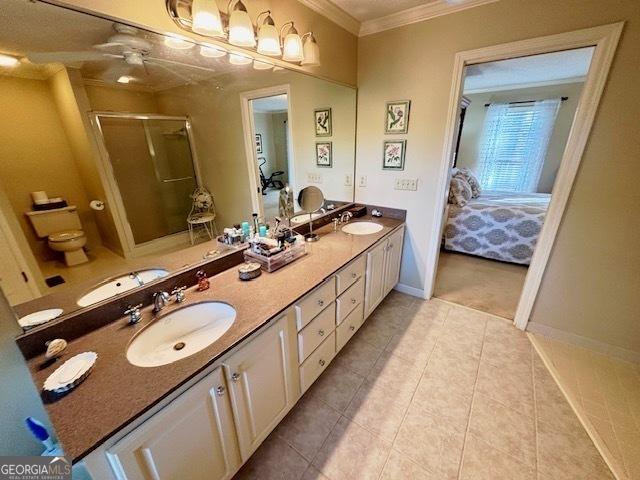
(364, 10)
(549, 68)
(273, 104)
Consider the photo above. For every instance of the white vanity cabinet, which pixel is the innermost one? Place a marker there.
(263, 383)
(193, 437)
(383, 269)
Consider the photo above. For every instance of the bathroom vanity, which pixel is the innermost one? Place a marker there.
(204, 415)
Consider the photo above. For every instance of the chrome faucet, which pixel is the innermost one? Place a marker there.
(346, 215)
(160, 300)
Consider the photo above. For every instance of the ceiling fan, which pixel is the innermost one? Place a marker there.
(126, 45)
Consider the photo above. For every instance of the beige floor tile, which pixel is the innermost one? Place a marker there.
(352, 452)
(377, 330)
(312, 473)
(461, 341)
(505, 345)
(336, 386)
(503, 428)
(482, 462)
(433, 311)
(455, 367)
(433, 396)
(358, 356)
(431, 442)
(400, 467)
(397, 299)
(569, 456)
(511, 385)
(415, 343)
(608, 441)
(459, 318)
(274, 460)
(307, 426)
(395, 372)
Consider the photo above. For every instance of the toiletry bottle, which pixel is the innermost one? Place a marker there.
(203, 281)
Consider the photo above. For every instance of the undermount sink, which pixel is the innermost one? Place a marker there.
(180, 333)
(362, 228)
(120, 284)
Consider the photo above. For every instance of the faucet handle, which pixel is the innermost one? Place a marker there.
(134, 313)
(179, 293)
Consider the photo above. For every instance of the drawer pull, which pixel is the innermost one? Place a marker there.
(235, 377)
(352, 327)
(220, 390)
(321, 332)
(321, 302)
(322, 362)
(353, 301)
(354, 274)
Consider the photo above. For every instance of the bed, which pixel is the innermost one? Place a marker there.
(497, 225)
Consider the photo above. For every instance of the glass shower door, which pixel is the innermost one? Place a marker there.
(153, 167)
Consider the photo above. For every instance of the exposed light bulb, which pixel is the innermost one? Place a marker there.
(268, 38)
(177, 43)
(8, 61)
(239, 59)
(206, 18)
(310, 51)
(292, 47)
(241, 27)
(212, 51)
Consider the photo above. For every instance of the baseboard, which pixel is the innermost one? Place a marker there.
(584, 342)
(414, 292)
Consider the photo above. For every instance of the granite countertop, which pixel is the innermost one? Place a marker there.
(116, 392)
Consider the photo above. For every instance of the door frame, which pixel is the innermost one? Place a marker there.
(605, 40)
(249, 131)
(125, 233)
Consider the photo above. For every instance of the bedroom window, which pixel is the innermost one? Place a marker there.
(514, 144)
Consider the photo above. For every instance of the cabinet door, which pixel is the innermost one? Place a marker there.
(374, 288)
(261, 377)
(193, 437)
(393, 260)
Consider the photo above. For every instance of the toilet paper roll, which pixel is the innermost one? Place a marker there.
(39, 197)
(96, 205)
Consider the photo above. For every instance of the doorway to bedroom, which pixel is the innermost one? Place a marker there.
(514, 123)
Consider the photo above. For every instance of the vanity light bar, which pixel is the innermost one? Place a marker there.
(236, 27)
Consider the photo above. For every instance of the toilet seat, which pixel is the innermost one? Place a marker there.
(66, 236)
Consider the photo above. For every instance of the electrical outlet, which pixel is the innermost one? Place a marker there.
(406, 184)
(363, 181)
(314, 178)
(348, 180)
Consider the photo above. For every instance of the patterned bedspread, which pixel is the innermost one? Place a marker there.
(498, 225)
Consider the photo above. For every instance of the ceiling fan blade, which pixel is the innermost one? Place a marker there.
(115, 70)
(65, 57)
(185, 79)
(179, 64)
(107, 45)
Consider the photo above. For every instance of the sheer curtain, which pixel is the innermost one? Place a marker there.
(514, 144)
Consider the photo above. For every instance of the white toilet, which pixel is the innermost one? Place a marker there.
(63, 229)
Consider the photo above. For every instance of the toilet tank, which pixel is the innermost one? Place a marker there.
(47, 222)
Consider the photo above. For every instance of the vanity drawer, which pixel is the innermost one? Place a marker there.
(349, 326)
(317, 362)
(349, 300)
(350, 274)
(315, 302)
(316, 331)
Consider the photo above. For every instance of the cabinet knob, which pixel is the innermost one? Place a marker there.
(352, 327)
(235, 377)
(353, 300)
(322, 362)
(321, 332)
(321, 302)
(220, 390)
(354, 274)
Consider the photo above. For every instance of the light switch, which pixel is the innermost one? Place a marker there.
(348, 180)
(363, 181)
(406, 184)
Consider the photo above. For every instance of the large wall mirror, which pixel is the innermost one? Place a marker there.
(124, 152)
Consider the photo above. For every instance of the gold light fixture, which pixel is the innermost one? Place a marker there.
(268, 38)
(291, 44)
(310, 50)
(206, 18)
(240, 27)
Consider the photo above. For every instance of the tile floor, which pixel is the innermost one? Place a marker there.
(606, 392)
(428, 390)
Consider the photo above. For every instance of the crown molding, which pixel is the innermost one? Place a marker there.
(417, 14)
(334, 13)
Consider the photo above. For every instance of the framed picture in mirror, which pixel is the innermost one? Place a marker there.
(393, 154)
(324, 154)
(258, 143)
(323, 122)
(397, 117)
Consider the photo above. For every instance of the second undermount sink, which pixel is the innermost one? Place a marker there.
(120, 284)
(180, 334)
(304, 217)
(362, 228)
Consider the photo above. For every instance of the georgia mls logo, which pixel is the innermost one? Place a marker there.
(35, 468)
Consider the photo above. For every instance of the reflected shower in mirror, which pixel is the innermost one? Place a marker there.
(125, 152)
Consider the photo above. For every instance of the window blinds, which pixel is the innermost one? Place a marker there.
(514, 144)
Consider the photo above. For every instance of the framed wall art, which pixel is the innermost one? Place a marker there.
(393, 154)
(323, 121)
(397, 117)
(324, 154)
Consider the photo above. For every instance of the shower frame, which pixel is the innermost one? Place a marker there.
(131, 249)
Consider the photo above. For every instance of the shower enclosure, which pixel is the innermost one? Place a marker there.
(150, 170)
